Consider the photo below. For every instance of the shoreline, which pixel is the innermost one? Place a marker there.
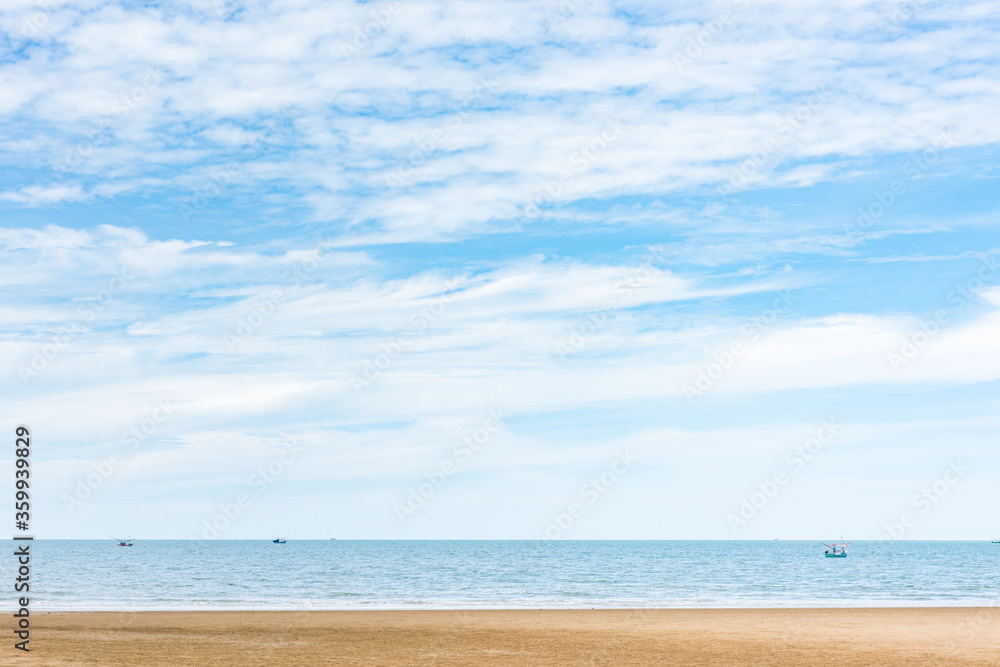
(909, 604)
(785, 636)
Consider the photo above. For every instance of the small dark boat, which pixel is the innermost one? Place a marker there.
(279, 541)
(124, 543)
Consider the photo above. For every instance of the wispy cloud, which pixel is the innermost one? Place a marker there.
(347, 128)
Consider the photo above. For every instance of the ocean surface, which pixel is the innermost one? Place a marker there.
(341, 574)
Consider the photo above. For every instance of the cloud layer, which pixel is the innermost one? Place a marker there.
(692, 233)
(456, 118)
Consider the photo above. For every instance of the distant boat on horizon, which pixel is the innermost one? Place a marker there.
(279, 541)
(124, 543)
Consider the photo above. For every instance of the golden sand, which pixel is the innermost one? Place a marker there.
(948, 636)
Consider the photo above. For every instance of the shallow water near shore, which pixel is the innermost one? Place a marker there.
(346, 574)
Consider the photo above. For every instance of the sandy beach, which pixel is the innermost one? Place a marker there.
(913, 636)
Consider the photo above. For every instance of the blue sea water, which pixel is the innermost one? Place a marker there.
(340, 574)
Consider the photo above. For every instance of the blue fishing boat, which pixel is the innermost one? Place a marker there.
(836, 550)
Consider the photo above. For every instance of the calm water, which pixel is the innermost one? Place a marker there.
(79, 575)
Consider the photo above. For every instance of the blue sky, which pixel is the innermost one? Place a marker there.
(242, 237)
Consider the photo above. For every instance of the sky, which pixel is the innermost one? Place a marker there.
(503, 270)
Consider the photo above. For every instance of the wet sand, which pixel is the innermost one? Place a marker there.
(924, 636)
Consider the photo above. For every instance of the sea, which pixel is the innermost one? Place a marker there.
(346, 574)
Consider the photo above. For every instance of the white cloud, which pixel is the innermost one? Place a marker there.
(37, 195)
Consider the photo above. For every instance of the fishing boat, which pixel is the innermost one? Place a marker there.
(996, 541)
(279, 541)
(124, 543)
(836, 549)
